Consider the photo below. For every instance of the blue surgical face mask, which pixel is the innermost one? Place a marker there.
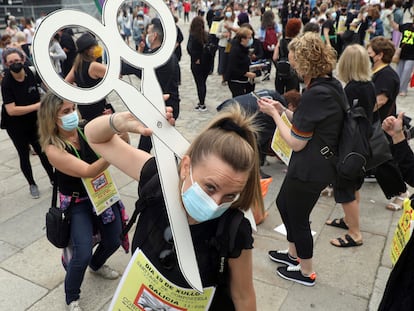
(147, 42)
(199, 205)
(70, 121)
(333, 15)
(250, 42)
(229, 14)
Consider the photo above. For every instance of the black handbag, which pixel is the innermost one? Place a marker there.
(58, 221)
(380, 147)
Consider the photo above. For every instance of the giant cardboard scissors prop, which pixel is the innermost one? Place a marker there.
(148, 106)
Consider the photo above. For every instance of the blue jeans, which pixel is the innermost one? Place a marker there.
(83, 222)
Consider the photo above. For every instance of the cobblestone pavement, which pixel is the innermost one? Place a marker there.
(31, 275)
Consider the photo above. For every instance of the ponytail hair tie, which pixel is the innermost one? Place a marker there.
(230, 126)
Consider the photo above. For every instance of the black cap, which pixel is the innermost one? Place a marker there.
(85, 41)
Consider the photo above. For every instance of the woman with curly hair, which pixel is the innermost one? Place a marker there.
(314, 136)
(200, 61)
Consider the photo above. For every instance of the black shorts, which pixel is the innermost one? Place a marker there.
(344, 191)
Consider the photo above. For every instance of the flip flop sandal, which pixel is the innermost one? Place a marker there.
(348, 242)
(328, 191)
(397, 203)
(338, 222)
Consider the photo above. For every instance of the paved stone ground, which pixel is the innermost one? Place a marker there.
(31, 276)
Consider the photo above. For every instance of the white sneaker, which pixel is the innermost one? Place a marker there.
(74, 306)
(106, 272)
(34, 191)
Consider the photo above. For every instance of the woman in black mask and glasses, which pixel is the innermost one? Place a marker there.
(21, 100)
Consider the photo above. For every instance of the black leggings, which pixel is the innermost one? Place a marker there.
(200, 74)
(295, 202)
(21, 139)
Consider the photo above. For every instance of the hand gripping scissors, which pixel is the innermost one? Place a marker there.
(147, 106)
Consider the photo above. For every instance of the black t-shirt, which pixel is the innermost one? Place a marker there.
(386, 82)
(407, 41)
(330, 24)
(364, 93)
(69, 184)
(150, 238)
(23, 93)
(318, 120)
(84, 80)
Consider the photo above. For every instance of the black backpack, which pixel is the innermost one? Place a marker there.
(282, 65)
(354, 148)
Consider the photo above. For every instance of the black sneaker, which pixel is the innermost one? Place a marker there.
(294, 274)
(283, 257)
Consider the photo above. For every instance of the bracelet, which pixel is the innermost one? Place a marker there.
(111, 124)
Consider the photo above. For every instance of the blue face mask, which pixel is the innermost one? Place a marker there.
(70, 121)
(228, 14)
(147, 42)
(199, 205)
(250, 43)
(333, 15)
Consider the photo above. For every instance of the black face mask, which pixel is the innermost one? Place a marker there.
(372, 60)
(16, 67)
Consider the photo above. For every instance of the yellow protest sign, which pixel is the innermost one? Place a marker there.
(279, 145)
(143, 287)
(214, 27)
(102, 191)
(403, 231)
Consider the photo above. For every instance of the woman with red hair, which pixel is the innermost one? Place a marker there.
(286, 78)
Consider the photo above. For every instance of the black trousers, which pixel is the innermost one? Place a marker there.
(295, 202)
(200, 73)
(21, 139)
(238, 89)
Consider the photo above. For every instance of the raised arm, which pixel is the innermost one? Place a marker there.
(101, 137)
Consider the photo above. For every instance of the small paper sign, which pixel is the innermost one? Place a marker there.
(214, 27)
(102, 191)
(279, 145)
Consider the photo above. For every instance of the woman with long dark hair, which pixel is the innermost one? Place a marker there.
(200, 61)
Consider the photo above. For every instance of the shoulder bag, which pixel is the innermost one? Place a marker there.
(379, 145)
(58, 220)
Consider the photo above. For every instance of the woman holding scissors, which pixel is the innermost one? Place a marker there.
(69, 152)
(218, 177)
